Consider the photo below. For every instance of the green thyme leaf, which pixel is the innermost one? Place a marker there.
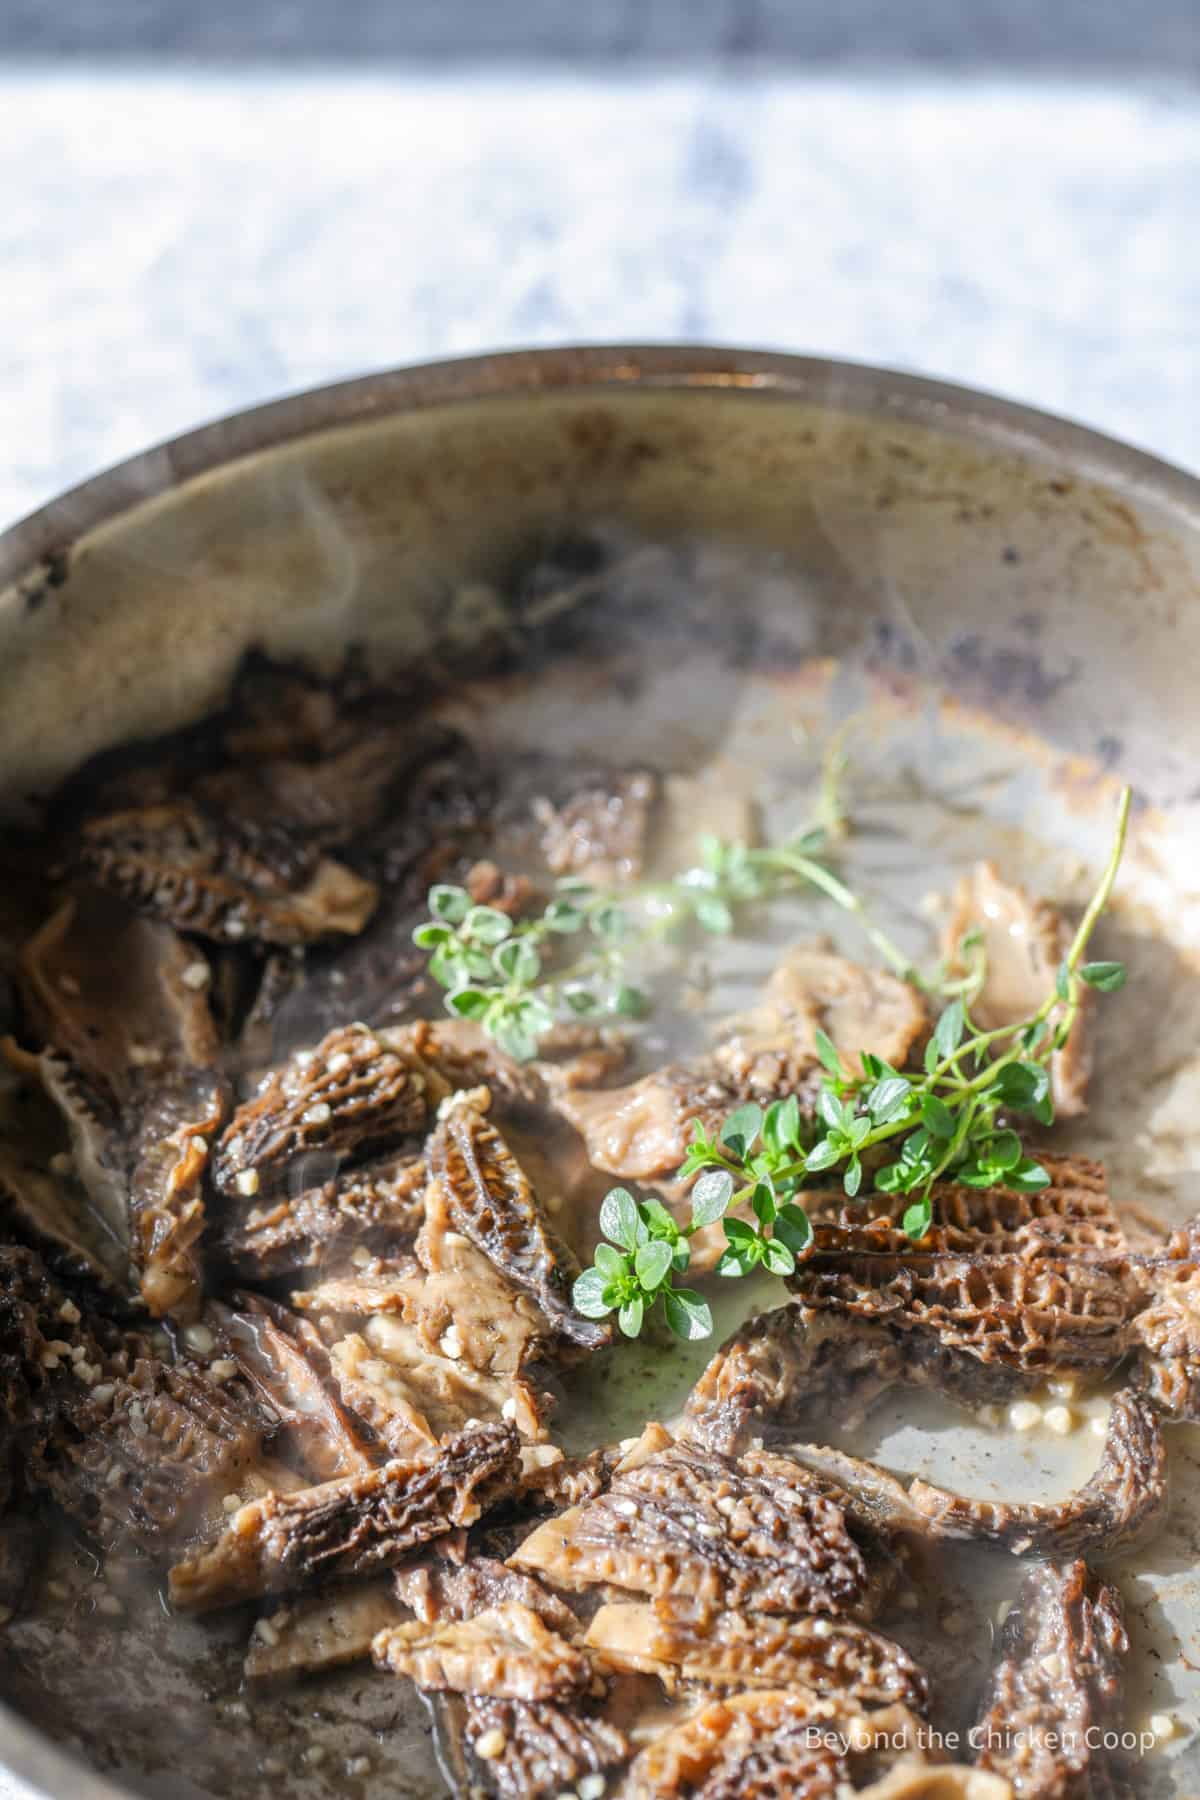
(712, 914)
(631, 1315)
(587, 1295)
(652, 1264)
(563, 917)
(1027, 1177)
(611, 1264)
(619, 1218)
(517, 961)
(822, 1156)
(777, 1257)
(468, 1003)
(487, 925)
(792, 1228)
(947, 1033)
(763, 1202)
(781, 1126)
(827, 1052)
(687, 1314)
(610, 922)
(710, 1196)
(449, 903)
(658, 1221)
(918, 1218)
(741, 1128)
(937, 1117)
(888, 1099)
(1106, 976)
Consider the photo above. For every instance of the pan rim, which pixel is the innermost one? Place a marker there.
(852, 388)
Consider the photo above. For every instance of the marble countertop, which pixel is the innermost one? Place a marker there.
(175, 244)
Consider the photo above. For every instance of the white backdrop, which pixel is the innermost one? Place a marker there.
(176, 245)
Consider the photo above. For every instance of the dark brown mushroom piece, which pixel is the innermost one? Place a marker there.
(49, 1210)
(439, 1591)
(410, 1395)
(1122, 1504)
(375, 1207)
(137, 1451)
(763, 1745)
(357, 1525)
(284, 1362)
(783, 1369)
(1072, 1216)
(1030, 1315)
(123, 997)
(222, 878)
(1165, 1332)
(325, 1630)
(1055, 1692)
(489, 1199)
(738, 1650)
(814, 989)
(459, 1303)
(523, 1750)
(507, 1651)
(350, 1094)
(710, 1534)
(600, 833)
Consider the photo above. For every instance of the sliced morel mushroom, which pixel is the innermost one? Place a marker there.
(409, 1394)
(507, 1651)
(763, 1745)
(357, 1525)
(641, 1132)
(440, 1591)
(116, 994)
(347, 1095)
(377, 1205)
(599, 834)
(710, 1534)
(735, 1650)
(1073, 1216)
(318, 1631)
(1122, 1504)
(1166, 1332)
(1044, 1314)
(284, 1361)
(783, 1368)
(489, 1199)
(813, 989)
(138, 1452)
(48, 1210)
(537, 1750)
(221, 879)
(150, 1456)
(460, 1305)
(98, 1152)
(1055, 1692)
(1023, 942)
(175, 1130)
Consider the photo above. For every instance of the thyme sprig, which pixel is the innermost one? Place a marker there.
(901, 1131)
(506, 973)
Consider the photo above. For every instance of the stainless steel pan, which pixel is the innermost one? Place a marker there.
(751, 546)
